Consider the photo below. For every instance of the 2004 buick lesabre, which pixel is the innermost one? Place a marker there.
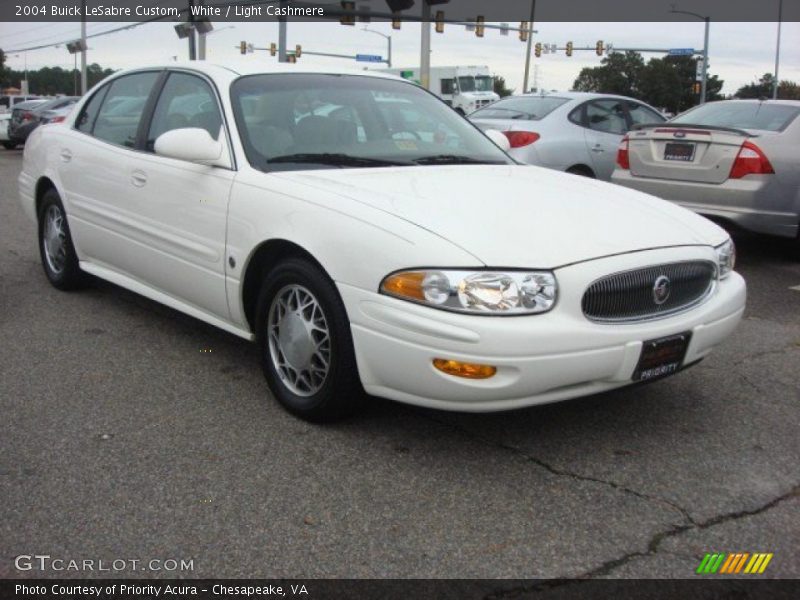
(371, 239)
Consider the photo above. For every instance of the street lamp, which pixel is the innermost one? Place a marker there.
(705, 50)
(388, 42)
(777, 52)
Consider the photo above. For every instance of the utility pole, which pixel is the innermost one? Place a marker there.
(83, 50)
(425, 47)
(528, 49)
(192, 51)
(705, 50)
(282, 35)
(777, 52)
(201, 41)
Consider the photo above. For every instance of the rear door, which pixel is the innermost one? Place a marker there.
(605, 122)
(684, 153)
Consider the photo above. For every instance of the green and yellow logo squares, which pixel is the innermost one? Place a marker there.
(733, 563)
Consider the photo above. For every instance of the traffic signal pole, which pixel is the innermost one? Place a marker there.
(425, 47)
(282, 35)
(528, 50)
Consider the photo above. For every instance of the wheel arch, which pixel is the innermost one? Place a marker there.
(582, 169)
(43, 185)
(263, 257)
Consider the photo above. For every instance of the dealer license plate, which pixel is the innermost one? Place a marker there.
(679, 151)
(661, 357)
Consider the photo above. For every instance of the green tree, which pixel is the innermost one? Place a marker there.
(787, 90)
(618, 73)
(668, 83)
(500, 87)
(55, 80)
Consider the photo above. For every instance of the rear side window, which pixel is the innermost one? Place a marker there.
(118, 119)
(641, 115)
(741, 115)
(520, 107)
(86, 120)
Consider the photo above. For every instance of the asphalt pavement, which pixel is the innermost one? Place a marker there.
(130, 431)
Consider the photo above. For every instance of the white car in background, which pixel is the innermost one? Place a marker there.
(429, 269)
(576, 132)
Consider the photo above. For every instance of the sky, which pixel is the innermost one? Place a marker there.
(738, 52)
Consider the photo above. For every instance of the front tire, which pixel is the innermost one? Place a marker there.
(56, 249)
(306, 345)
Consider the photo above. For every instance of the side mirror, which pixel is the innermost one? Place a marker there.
(498, 138)
(191, 144)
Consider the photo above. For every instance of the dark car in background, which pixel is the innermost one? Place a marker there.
(25, 119)
(5, 121)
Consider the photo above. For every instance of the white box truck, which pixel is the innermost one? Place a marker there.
(464, 88)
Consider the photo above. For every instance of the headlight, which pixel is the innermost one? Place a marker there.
(482, 292)
(726, 258)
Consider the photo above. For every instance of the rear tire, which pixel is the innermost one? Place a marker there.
(582, 171)
(306, 346)
(56, 249)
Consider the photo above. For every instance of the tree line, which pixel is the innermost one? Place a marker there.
(50, 81)
(667, 83)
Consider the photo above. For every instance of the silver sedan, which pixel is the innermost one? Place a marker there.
(734, 159)
(577, 132)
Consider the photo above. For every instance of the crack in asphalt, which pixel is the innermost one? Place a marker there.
(609, 566)
(563, 472)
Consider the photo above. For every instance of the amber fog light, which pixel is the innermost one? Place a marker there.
(467, 370)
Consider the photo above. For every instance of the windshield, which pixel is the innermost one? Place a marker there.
(307, 121)
(740, 115)
(481, 83)
(520, 107)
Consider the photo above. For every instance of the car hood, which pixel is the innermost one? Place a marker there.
(515, 215)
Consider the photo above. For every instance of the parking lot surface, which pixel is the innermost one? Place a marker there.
(131, 431)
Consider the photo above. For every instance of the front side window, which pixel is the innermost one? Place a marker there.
(607, 116)
(448, 86)
(185, 101)
(119, 116)
(305, 121)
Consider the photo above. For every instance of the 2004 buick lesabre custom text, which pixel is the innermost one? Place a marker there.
(371, 239)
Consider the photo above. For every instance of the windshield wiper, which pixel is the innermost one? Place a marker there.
(335, 159)
(454, 159)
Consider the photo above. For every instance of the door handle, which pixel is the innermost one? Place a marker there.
(597, 148)
(138, 178)
(66, 155)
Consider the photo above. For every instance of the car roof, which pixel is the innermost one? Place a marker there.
(760, 101)
(575, 95)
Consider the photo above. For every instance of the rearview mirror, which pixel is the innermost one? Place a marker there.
(498, 138)
(191, 144)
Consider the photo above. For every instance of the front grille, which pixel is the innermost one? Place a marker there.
(631, 295)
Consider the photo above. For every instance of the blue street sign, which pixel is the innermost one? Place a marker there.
(681, 51)
(369, 58)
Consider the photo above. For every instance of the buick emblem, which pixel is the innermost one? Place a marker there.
(661, 289)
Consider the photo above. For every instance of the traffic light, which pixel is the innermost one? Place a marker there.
(348, 6)
(523, 31)
(243, 47)
(298, 50)
(479, 26)
(273, 49)
(537, 49)
(439, 21)
(696, 87)
(291, 58)
(599, 48)
(396, 22)
(569, 48)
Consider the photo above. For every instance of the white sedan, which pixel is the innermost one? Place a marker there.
(366, 250)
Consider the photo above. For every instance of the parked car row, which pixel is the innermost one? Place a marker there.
(27, 116)
(738, 160)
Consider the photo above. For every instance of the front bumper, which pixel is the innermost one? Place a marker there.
(539, 358)
(752, 202)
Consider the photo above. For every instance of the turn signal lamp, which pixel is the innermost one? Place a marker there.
(465, 370)
(407, 284)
